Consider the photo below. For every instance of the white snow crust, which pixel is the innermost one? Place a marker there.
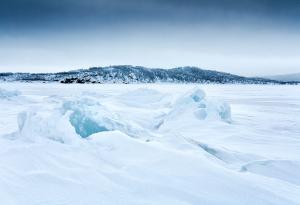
(149, 144)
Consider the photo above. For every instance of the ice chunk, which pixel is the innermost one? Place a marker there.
(64, 123)
(70, 119)
(36, 126)
(201, 113)
(194, 103)
(224, 111)
(197, 95)
(194, 96)
(21, 120)
(84, 125)
(88, 116)
(6, 94)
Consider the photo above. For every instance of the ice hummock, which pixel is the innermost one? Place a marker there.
(194, 104)
(8, 94)
(64, 123)
(86, 116)
(84, 125)
(72, 119)
(37, 126)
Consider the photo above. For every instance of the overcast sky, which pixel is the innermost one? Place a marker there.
(247, 37)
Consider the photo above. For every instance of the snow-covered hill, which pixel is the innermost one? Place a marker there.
(131, 74)
(295, 77)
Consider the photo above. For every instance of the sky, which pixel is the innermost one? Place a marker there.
(246, 37)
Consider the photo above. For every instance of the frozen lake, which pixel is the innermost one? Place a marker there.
(149, 144)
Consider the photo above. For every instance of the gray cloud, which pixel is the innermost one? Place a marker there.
(240, 36)
(71, 13)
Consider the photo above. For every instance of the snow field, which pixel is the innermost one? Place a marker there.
(149, 144)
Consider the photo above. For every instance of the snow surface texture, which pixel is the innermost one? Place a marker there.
(149, 144)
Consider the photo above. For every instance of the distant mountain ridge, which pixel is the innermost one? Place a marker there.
(286, 77)
(136, 74)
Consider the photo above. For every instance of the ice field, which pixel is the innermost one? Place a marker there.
(149, 144)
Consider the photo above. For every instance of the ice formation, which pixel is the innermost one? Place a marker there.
(88, 116)
(7, 94)
(72, 119)
(194, 104)
(66, 122)
(37, 126)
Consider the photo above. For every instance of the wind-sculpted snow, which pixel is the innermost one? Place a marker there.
(158, 144)
(278, 169)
